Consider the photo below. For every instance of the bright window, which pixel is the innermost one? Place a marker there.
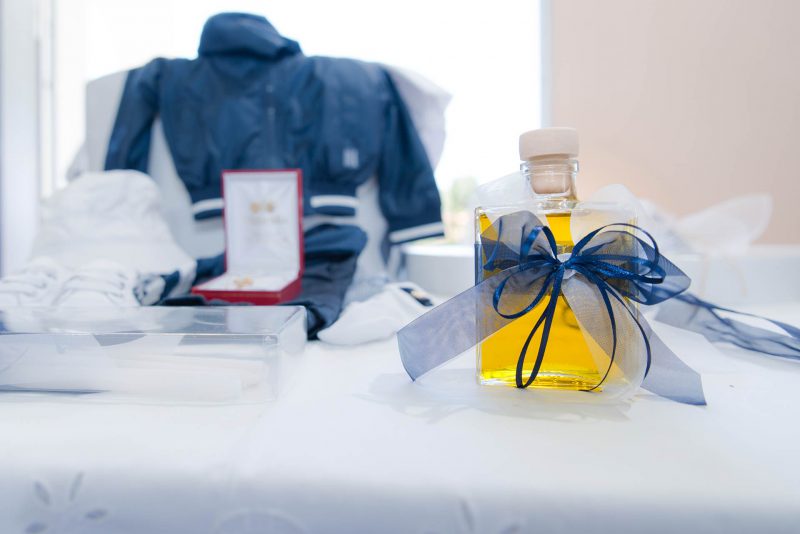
(487, 55)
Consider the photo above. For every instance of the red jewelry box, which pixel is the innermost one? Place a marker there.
(263, 220)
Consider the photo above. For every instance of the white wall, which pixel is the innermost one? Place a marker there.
(688, 102)
(19, 131)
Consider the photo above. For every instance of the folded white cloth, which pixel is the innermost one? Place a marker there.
(100, 283)
(39, 283)
(728, 228)
(378, 317)
(45, 282)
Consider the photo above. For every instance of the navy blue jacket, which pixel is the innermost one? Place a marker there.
(252, 100)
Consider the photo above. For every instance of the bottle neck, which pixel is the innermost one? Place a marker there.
(551, 177)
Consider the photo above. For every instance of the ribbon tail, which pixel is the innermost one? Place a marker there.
(692, 313)
(669, 376)
(450, 329)
(439, 335)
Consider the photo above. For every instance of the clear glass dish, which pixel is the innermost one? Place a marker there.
(205, 355)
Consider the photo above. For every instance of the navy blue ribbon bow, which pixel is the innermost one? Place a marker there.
(620, 264)
(519, 267)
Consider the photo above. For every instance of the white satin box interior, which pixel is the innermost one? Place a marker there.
(204, 355)
(263, 212)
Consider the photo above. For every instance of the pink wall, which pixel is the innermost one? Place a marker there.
(688, 102)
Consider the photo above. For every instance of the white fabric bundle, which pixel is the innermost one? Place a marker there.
(377, 317)
(114, 216)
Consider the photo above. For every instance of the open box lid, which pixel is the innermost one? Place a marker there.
(263, 231)
(263, 234)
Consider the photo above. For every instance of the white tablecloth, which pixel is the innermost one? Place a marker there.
(351, 445)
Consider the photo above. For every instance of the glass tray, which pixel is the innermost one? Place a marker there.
(207, 355)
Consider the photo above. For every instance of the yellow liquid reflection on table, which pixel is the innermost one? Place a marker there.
(568, 362)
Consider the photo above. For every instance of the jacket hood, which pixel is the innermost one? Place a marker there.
(244, 34)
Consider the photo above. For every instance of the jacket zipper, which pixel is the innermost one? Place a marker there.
(271, 144)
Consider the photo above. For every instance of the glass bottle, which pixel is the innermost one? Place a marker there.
(550, 165)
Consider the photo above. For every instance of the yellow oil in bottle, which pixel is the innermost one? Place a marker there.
(570, 358)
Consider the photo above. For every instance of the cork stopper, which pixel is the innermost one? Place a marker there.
(548, 142)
